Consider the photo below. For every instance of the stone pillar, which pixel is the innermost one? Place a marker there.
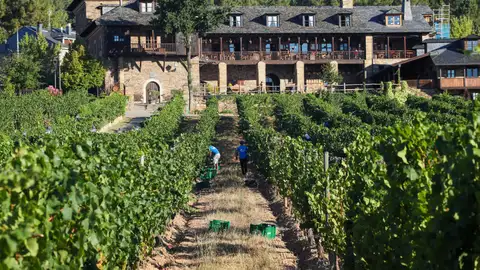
(222, 76)
(346, 3)
(261, 75)
(368, 56)
(195, 71)
(300, 75)
(368, 47)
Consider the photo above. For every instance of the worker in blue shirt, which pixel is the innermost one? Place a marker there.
(242, 153)
(216, 155)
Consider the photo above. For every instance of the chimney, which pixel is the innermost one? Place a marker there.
(69, 29)
(407, 10)
(61, 30)
(346, 3)
(121, 2)
(40, 28)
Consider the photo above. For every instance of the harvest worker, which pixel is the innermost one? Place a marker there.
(216, 155)
(241, 152)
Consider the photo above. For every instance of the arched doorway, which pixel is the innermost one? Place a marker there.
(152, 92)
(272, 82)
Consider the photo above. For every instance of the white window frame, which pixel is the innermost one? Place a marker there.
(394, 20)
(236, 21)
(146, 7)
(345, 20)
(273, 21)
(308, 20)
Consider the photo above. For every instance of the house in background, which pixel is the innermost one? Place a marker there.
(451, 65)
(272, 47)
(54, 36)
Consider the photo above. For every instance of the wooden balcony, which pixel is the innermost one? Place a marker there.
(393, 54)
(281, 56)
(154, 48)
(460, 83)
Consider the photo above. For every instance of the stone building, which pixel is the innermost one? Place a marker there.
(268, 48)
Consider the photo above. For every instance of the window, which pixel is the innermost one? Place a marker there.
(451, 73)
(472, 72)
(393, 20)
(231, 48)
(326, 47)
(118, 39)
(146, 7)
(236, 21)
(345, 20)
(308, 20)
(472, 44)
(272, 21)
(343, 46)
(106, 9)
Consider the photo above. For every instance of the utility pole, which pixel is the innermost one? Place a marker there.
(55, 73)
(59, 74)
(49, 15)
(18, 43)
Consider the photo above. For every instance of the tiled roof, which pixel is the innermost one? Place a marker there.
(365, 19)
(455, 57)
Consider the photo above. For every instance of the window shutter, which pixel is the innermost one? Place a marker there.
(231, 21)
(241, 20)
(303, 20)
(278, 20)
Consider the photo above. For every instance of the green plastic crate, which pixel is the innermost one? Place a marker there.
(267, 230)
(219, 225)
(256, 229)
(208, 173)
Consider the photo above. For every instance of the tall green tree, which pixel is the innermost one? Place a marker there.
(32, 67)
(80, 72)
(461, 27)
(187, 17)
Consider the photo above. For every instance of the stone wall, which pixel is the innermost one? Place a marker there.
(247, 74)
(136, 73)
(209, 74)
(286, 74)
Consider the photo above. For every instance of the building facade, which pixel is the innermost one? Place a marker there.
(268, 48)
(54, 36)
(451, 65)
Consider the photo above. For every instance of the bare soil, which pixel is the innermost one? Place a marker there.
(189, 245)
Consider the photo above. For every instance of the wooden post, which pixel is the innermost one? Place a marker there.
(299, 47)
(260, 46)
(221, 47)
(153, 39)
(241, 48)
(344, 87)
(316, 44)
(348, 47)
(465, 78)
(333, 44)
(280, 44)
(404, 46)
(388, 47)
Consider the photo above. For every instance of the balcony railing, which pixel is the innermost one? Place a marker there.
(161, 48)
(472, 82)
(393, 54)
(283, 55)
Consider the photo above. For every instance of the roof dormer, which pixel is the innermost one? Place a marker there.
(394, 18)
(272, 19)
(345, 19)
(308, 19)
(146, 6)
(236, 19)
(472, 43)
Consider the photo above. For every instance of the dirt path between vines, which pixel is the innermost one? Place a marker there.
(194, 247)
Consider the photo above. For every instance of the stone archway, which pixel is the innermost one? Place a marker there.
(149, 87)
(272, 82)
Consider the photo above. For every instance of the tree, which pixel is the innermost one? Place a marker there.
(461, 27)
(80, 72)
(330, 74)
(187, 17)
